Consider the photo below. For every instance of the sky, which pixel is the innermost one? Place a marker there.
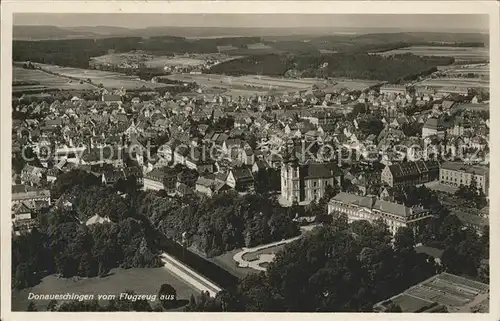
(434, 22)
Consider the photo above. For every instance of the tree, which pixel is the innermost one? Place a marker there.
(483, 271)
(70, 180)
(23, 277)
(359, 108)
(404, 240)
(412, 129)
(52, 306)
(451, 260)
(393, 308)
(31, 306)
(167, 296)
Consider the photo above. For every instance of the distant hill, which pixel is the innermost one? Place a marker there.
(52, 32)
(48, 32)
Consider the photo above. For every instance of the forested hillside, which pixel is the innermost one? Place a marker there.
(358, 66)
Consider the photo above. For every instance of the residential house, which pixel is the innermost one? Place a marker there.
(154, 179)
(136, 173)
(240, 179)
(210, 187)
(433, 126)
(393, 89)
(111, 177)
(29, 195)
(23, 219)
(32, 175)
(200, 160)
(111, 99)
(260, 164)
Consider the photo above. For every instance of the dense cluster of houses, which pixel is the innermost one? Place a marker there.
(187, 63)
(208, 144)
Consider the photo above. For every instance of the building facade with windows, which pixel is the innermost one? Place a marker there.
(456, 174)
(370, 208)
(410, 173)
(306, 182)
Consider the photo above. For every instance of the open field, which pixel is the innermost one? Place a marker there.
(139, 280)
(250, 84)
(31, 80)
(478, 70)
(459, 53)
(456, 82)
(110, 80)
(351, 84)
(258, 46)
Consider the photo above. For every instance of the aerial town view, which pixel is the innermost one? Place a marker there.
(246, 164)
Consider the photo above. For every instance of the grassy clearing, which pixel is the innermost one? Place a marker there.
(44, 81)
(140, 280)
(455, 82)
(226, 262)
(110, 80)
(252, 256)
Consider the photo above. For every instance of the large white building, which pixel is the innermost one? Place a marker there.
(371, 208)
(456, 174)
(304, 183)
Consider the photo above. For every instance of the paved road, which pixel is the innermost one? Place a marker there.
(189, 276)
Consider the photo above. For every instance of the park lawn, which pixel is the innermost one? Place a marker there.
(139, 280)
(252, 256)
(226, 262)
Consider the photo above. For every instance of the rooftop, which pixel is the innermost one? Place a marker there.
(456, 293)
(473, 169)
(372, 202)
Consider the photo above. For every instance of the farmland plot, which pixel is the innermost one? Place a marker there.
(459, 53)
(456, 82)
(249, 84)
(32, 80)
(110, 80)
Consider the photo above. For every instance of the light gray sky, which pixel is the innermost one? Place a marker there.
(436, 22)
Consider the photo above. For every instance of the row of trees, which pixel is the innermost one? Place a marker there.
(221, 223)
(77, 52)
(340, 267)
(63, 244)
(474, 195)
(465, 252)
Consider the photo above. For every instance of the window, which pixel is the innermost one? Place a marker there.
(315, 184)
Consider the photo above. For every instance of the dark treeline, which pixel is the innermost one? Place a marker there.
(63, 244)
(139, 222)
(339, 267)
(77, 52)
(360, 66)
(73, 52)
(458, 44)
(225, 222)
